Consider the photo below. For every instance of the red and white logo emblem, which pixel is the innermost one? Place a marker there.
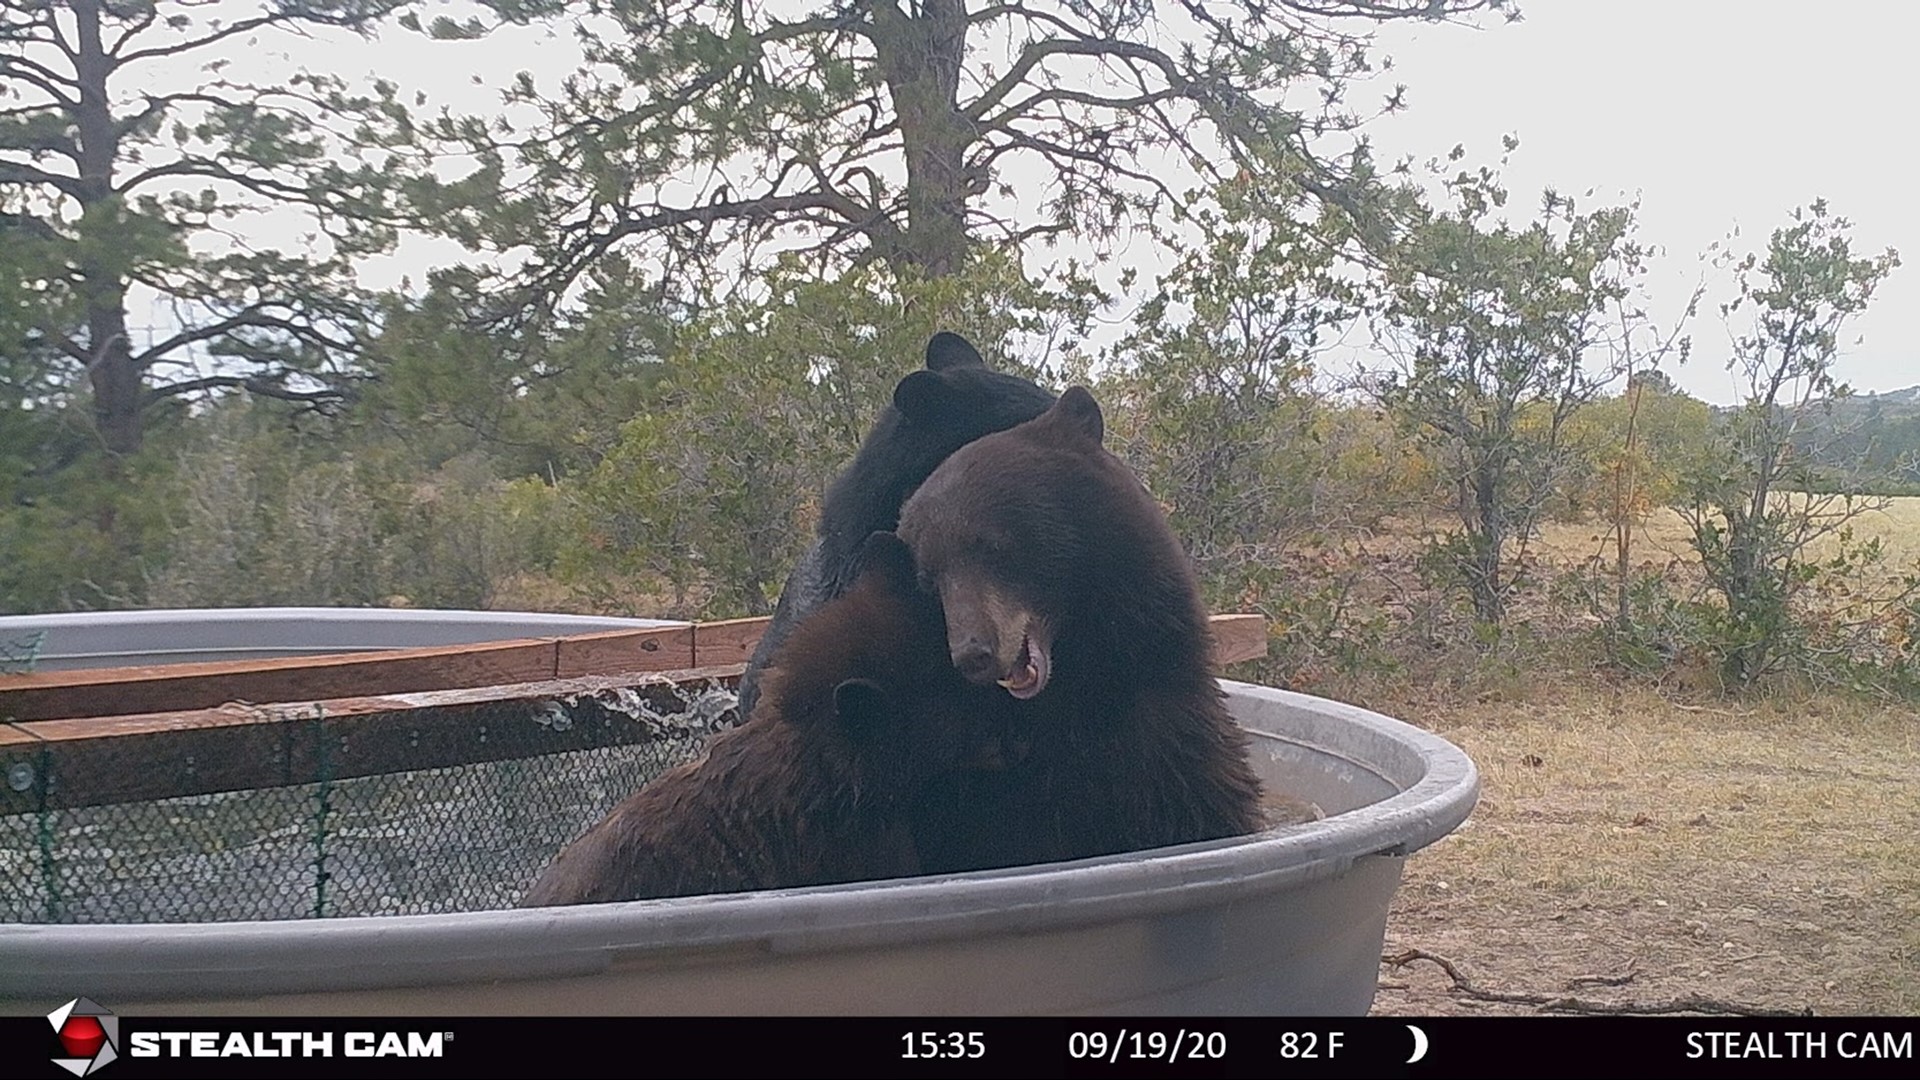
(89, 1033)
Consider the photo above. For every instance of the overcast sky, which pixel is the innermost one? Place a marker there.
(1718, 114)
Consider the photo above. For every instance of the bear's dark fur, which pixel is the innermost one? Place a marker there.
(1063, 583)
(935, 411)
(861, 707)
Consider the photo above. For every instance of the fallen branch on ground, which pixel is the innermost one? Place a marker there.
(1735, 714)
(1561, 1003)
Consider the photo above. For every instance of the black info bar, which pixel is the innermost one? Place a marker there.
(133, 1045)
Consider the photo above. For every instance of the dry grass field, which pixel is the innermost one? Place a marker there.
(1664, 536)
(1634, 850)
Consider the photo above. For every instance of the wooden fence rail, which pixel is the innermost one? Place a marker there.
(110, 736)
(61, 695)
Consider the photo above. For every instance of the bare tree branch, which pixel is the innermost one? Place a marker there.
(21, 173)
(189, 44)
(252, 384)
(1037, 53)
(1078, 97)
(39, 77)
(64, 343)
(141, 24)
(210, 170)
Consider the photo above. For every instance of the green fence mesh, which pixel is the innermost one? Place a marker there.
(465, 837)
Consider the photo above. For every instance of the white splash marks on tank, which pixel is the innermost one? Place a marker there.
(701, 711)
(553, 715)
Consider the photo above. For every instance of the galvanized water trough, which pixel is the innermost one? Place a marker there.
(1286, 922)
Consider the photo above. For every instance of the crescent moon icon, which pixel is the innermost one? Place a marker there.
(1419, 1044)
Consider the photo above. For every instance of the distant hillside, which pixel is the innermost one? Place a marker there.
(1908, 398)
(1874, 436)
(1892, 403)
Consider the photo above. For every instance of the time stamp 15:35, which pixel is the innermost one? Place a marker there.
(1126, 1044)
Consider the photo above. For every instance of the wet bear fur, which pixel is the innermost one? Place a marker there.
(1063, 582)
(954, 400)
(861, 707)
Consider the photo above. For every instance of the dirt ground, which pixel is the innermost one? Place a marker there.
(1629, 850)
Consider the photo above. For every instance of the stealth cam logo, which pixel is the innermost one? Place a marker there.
(88, 1032)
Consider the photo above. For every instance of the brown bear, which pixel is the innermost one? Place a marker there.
(860, 707)
(955, 399)
(1064, 585)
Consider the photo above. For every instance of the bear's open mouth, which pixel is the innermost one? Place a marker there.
(1030, 670)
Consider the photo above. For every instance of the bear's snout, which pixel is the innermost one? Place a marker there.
(993, 637)
(978, 661)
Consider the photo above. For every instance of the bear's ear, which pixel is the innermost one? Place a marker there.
(948, 350)
(884, 554)
(922, 396)
(1077, 412)
(863, 706)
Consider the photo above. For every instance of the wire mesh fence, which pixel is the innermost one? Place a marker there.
(506, 785)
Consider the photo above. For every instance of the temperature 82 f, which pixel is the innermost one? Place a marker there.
(1305, 1045)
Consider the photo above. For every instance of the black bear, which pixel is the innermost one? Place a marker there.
(861, 706)
(935, 411)
(1063, 583)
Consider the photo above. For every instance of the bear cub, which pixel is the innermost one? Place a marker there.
(954, 400)
(860, 707)
(1064, 586)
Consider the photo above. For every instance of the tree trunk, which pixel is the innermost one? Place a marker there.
(1625, 496)
(920, 58)
(117, 389)
(1487, 538)
(118, 394)
(1746, 608)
